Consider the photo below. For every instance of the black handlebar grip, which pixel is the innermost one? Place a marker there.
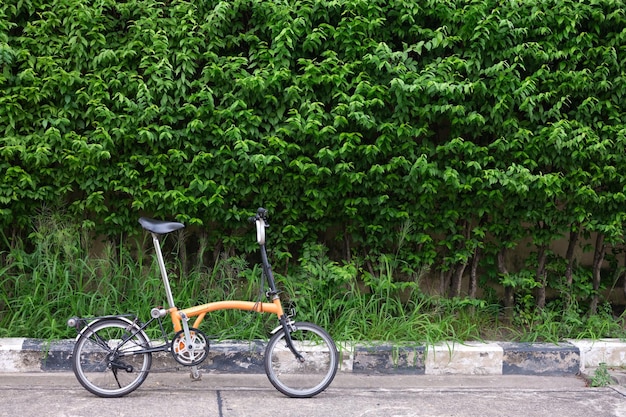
(261, 213)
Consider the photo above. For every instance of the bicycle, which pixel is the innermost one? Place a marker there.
(112, 355)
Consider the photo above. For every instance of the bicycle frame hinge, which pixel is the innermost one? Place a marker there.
(272, 295)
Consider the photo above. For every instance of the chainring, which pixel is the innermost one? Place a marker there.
(185, 355)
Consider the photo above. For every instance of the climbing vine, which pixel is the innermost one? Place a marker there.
(478, 125)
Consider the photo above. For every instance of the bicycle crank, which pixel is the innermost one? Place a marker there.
(193, 354)
(121, 365)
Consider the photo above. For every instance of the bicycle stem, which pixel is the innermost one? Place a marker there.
(268, 272)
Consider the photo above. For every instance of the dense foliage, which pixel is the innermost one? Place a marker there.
(445, 132)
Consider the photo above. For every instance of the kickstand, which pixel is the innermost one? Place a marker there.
(195, 374)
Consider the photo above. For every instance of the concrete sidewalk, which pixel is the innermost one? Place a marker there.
(571, 357)
(350, 395)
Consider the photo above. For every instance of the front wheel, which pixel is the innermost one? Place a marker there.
(109, 359)
(307, 378)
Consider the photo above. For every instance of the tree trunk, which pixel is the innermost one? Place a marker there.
(346, 245)
(457, 279)
(569, 271)
(473, 284)
(217, 250)
(541, 276)
(624, 276)
(459, 269)
(444, 281)
(598, 257)
(509, 292)
(203, 245)
(182, 252)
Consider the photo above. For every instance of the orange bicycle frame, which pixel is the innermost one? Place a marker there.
(200, 311)
(275, 307)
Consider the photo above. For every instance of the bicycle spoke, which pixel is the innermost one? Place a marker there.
(96, 360)
(308, 372)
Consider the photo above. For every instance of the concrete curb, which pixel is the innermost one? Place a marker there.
(570, 357)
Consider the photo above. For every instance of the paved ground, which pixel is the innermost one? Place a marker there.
(174, 394)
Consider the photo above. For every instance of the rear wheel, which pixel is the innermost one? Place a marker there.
(108, 359)
(312, 375)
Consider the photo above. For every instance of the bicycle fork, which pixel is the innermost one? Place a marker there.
(286, 325)
(288, 328)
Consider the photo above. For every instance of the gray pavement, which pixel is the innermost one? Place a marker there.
(230, 395)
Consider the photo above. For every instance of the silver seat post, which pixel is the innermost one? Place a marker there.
(166, 281)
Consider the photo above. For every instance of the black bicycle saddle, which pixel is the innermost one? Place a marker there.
(159, 226)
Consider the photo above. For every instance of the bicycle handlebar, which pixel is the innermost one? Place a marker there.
(260, 219)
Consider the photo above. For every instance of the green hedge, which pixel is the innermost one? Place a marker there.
(447, 132)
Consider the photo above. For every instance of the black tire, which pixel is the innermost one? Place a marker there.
(105, 361)
(302, 379)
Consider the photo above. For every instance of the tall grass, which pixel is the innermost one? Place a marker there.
(359, 305)
(56, 277)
